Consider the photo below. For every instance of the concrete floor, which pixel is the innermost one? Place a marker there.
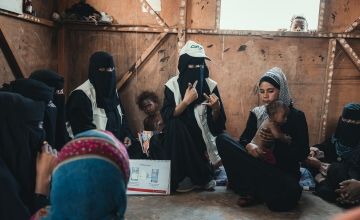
(218, 205)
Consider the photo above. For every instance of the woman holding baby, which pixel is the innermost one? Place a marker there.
(250, 175)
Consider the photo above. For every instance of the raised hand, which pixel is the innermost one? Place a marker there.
(212, 101)
(191, 94)
(45, 162)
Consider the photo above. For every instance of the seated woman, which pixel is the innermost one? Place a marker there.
(338, 167)
(90, 179)
(193, 116)
(253, 179)
(23, 157)
(56, 81)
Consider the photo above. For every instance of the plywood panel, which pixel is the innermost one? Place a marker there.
(125, 48)
(201, 14)
(345, 86)
(6, 74)
(34, 46)
(339, 14)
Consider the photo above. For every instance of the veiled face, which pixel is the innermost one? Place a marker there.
(268, 92)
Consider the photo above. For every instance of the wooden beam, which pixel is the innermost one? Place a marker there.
(218, 13)
(321, 15)
(353, 25)
(143, 29)
(144, 56)
(327, 89)
(158, 18)
(29, 18)
(10, 57)
(182, 24)
(272, 33)
(62, 66)
(350, 52)
(118, 28)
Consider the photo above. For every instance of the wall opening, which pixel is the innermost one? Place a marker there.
(267, 15)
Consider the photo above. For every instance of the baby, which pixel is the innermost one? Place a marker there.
(149, 103)
(277, 112)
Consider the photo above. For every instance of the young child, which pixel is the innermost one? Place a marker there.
(277, 112)
(299, 24)
(149, 103)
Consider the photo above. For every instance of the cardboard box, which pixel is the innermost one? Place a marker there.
(149, 177)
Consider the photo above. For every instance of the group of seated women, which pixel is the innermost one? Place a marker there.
(46, 175)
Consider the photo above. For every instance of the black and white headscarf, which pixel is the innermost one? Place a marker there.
(277, 78)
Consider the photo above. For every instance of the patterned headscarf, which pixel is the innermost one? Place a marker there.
(277, 75)
(277, 78)
(90, 179)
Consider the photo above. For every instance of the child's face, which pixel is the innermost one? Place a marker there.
(149, 107)
(280, 117)
(298, 25)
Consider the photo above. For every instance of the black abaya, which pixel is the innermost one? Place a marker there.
(183, 142)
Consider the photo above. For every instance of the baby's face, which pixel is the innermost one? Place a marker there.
(280, 117)
(149, 107)
(298, 25)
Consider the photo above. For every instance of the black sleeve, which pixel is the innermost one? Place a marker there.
(169, 105)
(218, 126)
(297, 128)
(125, 125)
(79, 112)
(149, 124)
(11, 204)
(250, 130)
(40, 201)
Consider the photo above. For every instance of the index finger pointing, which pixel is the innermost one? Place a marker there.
(206, 96)
(195, 83)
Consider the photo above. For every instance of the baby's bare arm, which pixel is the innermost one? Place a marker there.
(278, 134)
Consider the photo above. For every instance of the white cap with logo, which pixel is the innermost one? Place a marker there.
(193, 49)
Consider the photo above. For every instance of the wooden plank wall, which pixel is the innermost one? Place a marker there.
(339, 14)
(237, 61)
(34, 45)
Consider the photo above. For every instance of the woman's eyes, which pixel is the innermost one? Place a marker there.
(268, 91)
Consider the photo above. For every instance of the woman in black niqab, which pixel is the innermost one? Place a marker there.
(39, 91)
(189, 75)
(55, 81)
(21, 139)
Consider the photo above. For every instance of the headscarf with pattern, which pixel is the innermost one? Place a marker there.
(277, 78)
(90, 179)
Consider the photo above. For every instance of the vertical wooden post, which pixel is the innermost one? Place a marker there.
(327, 88)
(321, 15)
(62, 67)
(182, 24)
